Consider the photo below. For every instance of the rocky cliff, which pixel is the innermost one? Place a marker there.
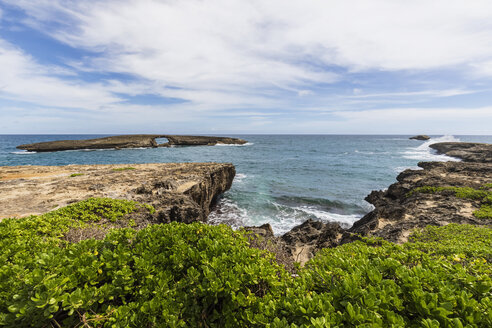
(179, 192)
(129, 141)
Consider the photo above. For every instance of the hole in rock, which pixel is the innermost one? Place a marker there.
(161, 141)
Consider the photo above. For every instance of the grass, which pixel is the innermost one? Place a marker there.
(76, 174)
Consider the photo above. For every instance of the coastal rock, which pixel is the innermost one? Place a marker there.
(420, 137)
(306, 239)
(128, 141)
(202, 141)
(179, 192)
(400, 210)
(467, 151)
(301, 243)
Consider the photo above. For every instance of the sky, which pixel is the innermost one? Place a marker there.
(239, 67)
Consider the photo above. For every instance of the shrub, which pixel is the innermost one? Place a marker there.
(178, 275)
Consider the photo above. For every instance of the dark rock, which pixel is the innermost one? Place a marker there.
(202, 141)
(420, 137)
(264, 230)
(128, 141)
(301, 243)
(467, 151)
(398, 211)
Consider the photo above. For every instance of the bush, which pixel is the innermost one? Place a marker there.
(178, 275)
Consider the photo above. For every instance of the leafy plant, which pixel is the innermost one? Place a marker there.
(195, 275)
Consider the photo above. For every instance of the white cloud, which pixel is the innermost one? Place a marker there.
(205, 41)
(429, 93)
(249, 55)
(23, 79)
(445, 120)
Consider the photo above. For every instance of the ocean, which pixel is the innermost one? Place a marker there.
(281, 179)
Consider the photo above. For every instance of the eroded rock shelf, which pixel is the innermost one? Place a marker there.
(179, 192)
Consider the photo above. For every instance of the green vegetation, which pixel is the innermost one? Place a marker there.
(178, 275)
(484, 195)
(76, 174)
(123, 168)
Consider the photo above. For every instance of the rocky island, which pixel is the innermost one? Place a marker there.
(420, 137)
(129, 141)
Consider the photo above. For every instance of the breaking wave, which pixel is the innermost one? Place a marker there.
(425, 153)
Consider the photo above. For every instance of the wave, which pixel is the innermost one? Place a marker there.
(23, 152)
(283, 217)
(240, 177)
(323, 203)
(364, 152)
(425, 153)
(228, 212)
(400, 169)
(235, 145)
(345, 220)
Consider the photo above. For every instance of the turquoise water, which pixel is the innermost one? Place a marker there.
(281, 179)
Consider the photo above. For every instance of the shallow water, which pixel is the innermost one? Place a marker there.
(281, 179)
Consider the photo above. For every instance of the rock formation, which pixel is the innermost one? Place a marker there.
(178, 192)
(467, 151)
(128, 141)
(400, 209)
(201, 140)
(420, 137)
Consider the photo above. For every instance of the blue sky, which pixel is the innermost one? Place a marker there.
(234, 67)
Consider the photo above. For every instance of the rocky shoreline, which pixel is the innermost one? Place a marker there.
(186, 192)
(129, 141)
(438, 194)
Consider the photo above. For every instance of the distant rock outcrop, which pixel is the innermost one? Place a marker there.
(128, 141)
(420, 137)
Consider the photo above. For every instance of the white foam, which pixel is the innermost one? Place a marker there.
(365, 152)
(235, 145)
(227, 212)
(425, 153)
(345, 220)
(400, 169)
(240, 177)
(23, 152)
(284, 219)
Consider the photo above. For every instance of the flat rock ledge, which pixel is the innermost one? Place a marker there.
(129, 141)
(179, 192)
(467, 151)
